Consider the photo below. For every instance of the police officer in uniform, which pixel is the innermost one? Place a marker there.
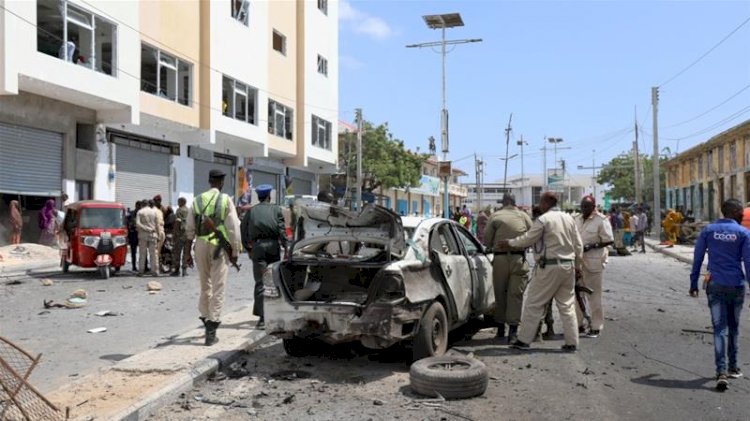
(182, 247)
(212, 272)
(596, 234)
(263, 229)
(510, 272)
(560, 254)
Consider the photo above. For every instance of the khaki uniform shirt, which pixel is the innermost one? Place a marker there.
(149, 221)
(558, 236)
(231, 222)
(509, 222)
(595, 229)
(180, 225)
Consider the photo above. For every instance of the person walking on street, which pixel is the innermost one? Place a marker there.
(263, 229)
(728, 245)
(133, 235)
(596, 235)
(213, 216)
(482, 219)
(559, 256)
(47, 223)
(640, 230)
(163, 217)
(181, 248)
(150, 230)
(617, 222)
(510, 272)
(15, 222)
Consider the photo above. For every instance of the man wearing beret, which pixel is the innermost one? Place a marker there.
(212, 211)
(263, 229)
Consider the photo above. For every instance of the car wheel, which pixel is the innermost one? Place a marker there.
(297, 347)
(450, 376)
(432, 337)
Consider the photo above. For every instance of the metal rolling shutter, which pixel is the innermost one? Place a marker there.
(30, 161)
(200, 177)
(300, 186)
(141, 174)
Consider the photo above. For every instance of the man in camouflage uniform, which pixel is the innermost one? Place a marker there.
(182, 247)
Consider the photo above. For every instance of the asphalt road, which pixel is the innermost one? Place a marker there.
(653, 361)
(143, 320)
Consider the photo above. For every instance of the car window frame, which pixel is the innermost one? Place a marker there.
(462, 230)
(451, 239)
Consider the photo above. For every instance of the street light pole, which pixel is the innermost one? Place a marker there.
(521, 143)
(442, 22)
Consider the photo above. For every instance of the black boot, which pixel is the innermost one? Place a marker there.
(203, 320)
(550, 333)
(211, 327)
(500, 330)
(184, 271)
(512, 333)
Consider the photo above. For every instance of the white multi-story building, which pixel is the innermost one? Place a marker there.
(125, 100)
(528, 190)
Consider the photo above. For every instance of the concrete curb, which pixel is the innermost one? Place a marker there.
(21, 270)
(200, 371)
(669, 253)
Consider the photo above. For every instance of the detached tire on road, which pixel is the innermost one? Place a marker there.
(452, 377)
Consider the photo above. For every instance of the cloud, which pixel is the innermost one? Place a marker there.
(362, 23)
(350, 62)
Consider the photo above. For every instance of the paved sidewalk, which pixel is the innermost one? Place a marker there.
(683, 253)
(20, 259)
(139, 385)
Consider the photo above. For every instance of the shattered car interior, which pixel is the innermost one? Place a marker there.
(355, 277)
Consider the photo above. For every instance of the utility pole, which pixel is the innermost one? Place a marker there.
(637, 165)
(479, 167)
(544, 174)
(521, 143)
(507, 142)
(657, 183)
(358, 197)
(442, 22)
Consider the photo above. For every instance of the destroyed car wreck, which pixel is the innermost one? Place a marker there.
(355, 277)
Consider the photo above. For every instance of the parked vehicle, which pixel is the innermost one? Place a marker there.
(355, 277)
(97, 236)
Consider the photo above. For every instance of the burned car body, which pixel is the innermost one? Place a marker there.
(355, 277)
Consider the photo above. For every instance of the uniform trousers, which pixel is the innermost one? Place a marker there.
(592, 280)
(180, 252)
(213, 276)
(554, 281)
(510, 275)
(147, 246)
(264, 253)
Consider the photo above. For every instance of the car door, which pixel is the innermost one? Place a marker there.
(448, 255)
(480, 267)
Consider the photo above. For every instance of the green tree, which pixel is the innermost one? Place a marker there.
(620, 174)
(386, 163)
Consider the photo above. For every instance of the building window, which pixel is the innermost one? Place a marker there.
(241, 11)
(280, 119)
(322, 65)
(76, 35)
(321, 133)
(165, 75)
(239, 100)
(279, 42)
(323, 6)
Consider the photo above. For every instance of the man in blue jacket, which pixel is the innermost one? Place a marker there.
(728, 244)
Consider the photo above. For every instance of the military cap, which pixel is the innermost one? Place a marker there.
(216, 174)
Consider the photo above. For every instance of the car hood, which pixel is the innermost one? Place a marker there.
(320, 222)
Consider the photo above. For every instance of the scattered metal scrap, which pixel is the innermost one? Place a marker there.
(19, 400)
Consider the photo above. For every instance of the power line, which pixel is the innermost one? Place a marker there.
(709, 110)
(713, 126)
(705, 54)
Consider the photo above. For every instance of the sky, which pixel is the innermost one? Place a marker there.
(577, 70)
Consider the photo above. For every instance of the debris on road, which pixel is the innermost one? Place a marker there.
(105, 313)
(289, 399)
(153, 286)
(47, 282)
(97, 330)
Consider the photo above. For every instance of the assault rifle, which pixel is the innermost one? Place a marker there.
(579, 291)
(223, 243)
